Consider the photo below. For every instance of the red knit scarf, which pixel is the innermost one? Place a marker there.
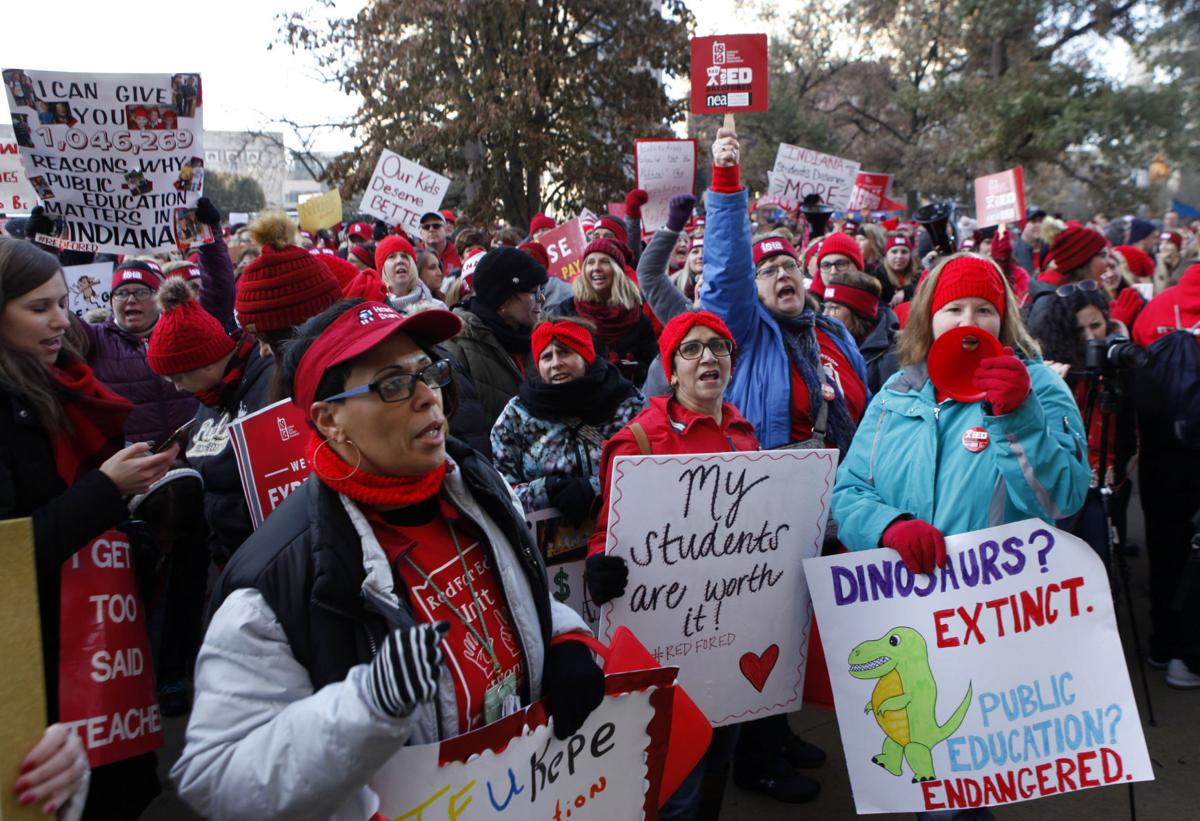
(613, 323)
(234, 371)
(371, 489)
(95, 414)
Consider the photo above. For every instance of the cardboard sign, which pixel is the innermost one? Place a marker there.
(516, 768)
(89, 286)
(110, 156)
(729, 73)
(663, 168)
(870, 190)
(321, 211)
(998, 678)
(16, 194)
(1000, 198)
(565, 245)
(400, 191)
(799, 172)
(270, 449)
(715, 578)
(567, 586)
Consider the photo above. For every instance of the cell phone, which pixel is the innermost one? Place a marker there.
(178, 437)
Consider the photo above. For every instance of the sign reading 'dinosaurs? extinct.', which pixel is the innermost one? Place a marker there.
(115, 159)
(270, 448)
(998, 678)
(729, 73)
(400, 191)
(716, 584)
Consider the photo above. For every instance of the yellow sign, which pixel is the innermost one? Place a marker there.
(321, 211)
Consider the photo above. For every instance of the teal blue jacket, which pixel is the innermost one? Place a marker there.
(908, 458)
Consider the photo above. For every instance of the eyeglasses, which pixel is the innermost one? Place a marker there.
(135, 294)
(789, 267)
(400, 386)
(431, 225)
(841, 266)
(693, 349)
(1070, 287)
(538, 293)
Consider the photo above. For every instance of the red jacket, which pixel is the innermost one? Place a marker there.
(1158, 318)
(671, 428)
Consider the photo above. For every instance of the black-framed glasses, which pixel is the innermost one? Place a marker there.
(694, 348)
(790, 267)
(429, 226)
(134, 294)
(841, 266)
(538, 293)
(1070, 287)
(400, 386)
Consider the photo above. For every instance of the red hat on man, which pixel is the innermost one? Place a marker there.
(571, 334)
(186, 337)
(138, 272)
(969, 276)
(362, 230)
(841, 243)
(390, 245)
(616, 226)
(1074, 247)
(674, 331)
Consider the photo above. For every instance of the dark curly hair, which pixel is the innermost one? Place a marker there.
(1057, 329)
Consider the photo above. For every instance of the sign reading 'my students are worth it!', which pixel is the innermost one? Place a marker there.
(729, 73)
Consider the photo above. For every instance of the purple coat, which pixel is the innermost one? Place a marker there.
(119, 358)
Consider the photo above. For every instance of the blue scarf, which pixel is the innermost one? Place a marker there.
(800, 336)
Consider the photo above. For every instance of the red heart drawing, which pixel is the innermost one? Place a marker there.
(756, 668)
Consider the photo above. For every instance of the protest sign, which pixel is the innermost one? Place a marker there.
(564, 245)
(567, 586)
(321, 211)
(516, 768)
(729, 73)
(89, 286)
(400, 191)
(870, 190)
(269, 446)
(799, 172)
(16, 194)
(1000, 198)
(715, 578)
(559, 539)
(998, 678)
(663, 168)
(110, 156)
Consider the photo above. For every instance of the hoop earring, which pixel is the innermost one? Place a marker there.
(357, 463)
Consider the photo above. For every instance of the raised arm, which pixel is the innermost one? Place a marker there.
(665, 299)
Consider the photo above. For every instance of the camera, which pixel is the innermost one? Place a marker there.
(1114, 353)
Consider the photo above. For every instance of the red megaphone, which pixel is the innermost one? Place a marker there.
(953, 358)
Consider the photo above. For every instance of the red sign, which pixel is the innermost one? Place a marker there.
(870, 190)
(565, 245)
(1000, 198)
(270, 449)
(729, 73)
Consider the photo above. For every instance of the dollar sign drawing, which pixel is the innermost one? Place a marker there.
(560, 579)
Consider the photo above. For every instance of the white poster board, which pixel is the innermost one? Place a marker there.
(799, 172)
(116, 159)
(714, 544)
(999, 678)
(567, 586)
(400, 191)
(663, 168)
(16, 194)
(89, 286)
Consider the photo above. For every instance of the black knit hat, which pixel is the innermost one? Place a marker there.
(505, 272)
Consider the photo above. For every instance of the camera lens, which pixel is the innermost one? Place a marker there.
(1128, 355)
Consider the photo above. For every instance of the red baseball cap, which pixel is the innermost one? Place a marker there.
(355, 332)
(362, 230)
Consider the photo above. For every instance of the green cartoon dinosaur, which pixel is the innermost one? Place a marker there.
(904, 700)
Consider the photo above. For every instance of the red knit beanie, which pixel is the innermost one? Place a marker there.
(841, 243)
(1074, 247)
(366, 285)
(364, 253)
(282, 288)
(539, 222)
(1140, 263)
(571, 334)
(186, 337)
(538, 251)
(969, 276)
(610, 248)
(616, 226)
(342, 270)
(390, 245)
(674, 331)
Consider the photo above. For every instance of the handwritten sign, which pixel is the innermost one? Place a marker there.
(564, 245)
(321, 211)
(729, 73)
(16, 194)
(89, 286)
(799, 172)
(998, 678)
(516, 768)
(269, 446)
(110, 156)
(663, 168)
(870, 191)
(400, 191)
(715, 578)
(1000, 198)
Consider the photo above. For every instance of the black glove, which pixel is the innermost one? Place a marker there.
(606, 577)
(678, 210)
(207, 213)
(405, 670)
(381, 230)
(39, 223)
(573, 495)
(573, 685)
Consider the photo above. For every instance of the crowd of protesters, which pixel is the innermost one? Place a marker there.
(452, 387)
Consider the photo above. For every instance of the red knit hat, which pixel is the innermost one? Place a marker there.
(571, 334)
(342, 270)
(188, 272)
(1140, 263)
(366, 285)
(390, 245)
(1074, 247)
(1171, 236)
(538, 251)
(969, 276)
(186, 337)
(282, 288)
(841, 243)
(772, 247)
(608, 247)
(539, 222)
(137, 272)
(860, 301)
(364, 253)
(674, 331)
(616, 226)
(897, 240)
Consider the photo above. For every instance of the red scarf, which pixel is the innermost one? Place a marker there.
(371, 489)
(234, 371)
(613, 323)
(95, 414)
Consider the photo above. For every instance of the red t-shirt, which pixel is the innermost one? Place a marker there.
(838, 369)
(433, 551)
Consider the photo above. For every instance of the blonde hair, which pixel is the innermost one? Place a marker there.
(917, 336)
(876, 237)
(624, 293)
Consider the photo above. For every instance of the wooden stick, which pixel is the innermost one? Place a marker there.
(729, 121)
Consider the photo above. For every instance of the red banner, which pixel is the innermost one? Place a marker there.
(729, 73)
(565, 245)
(269, 446)
(106, 687)
(870, 190)
(1000, 198)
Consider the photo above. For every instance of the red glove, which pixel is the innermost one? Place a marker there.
(634, 201)
(1126, 307)
(1005, 380)
(920, 544)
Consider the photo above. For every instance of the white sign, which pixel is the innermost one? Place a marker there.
(401, 191)
(115, 159)
(89, 286)
(16, 194)
(567, 586)
(799, 172)
(999, 678)
(663, 168)
(714, 545)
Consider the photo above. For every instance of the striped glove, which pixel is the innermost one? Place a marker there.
(405, 670)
